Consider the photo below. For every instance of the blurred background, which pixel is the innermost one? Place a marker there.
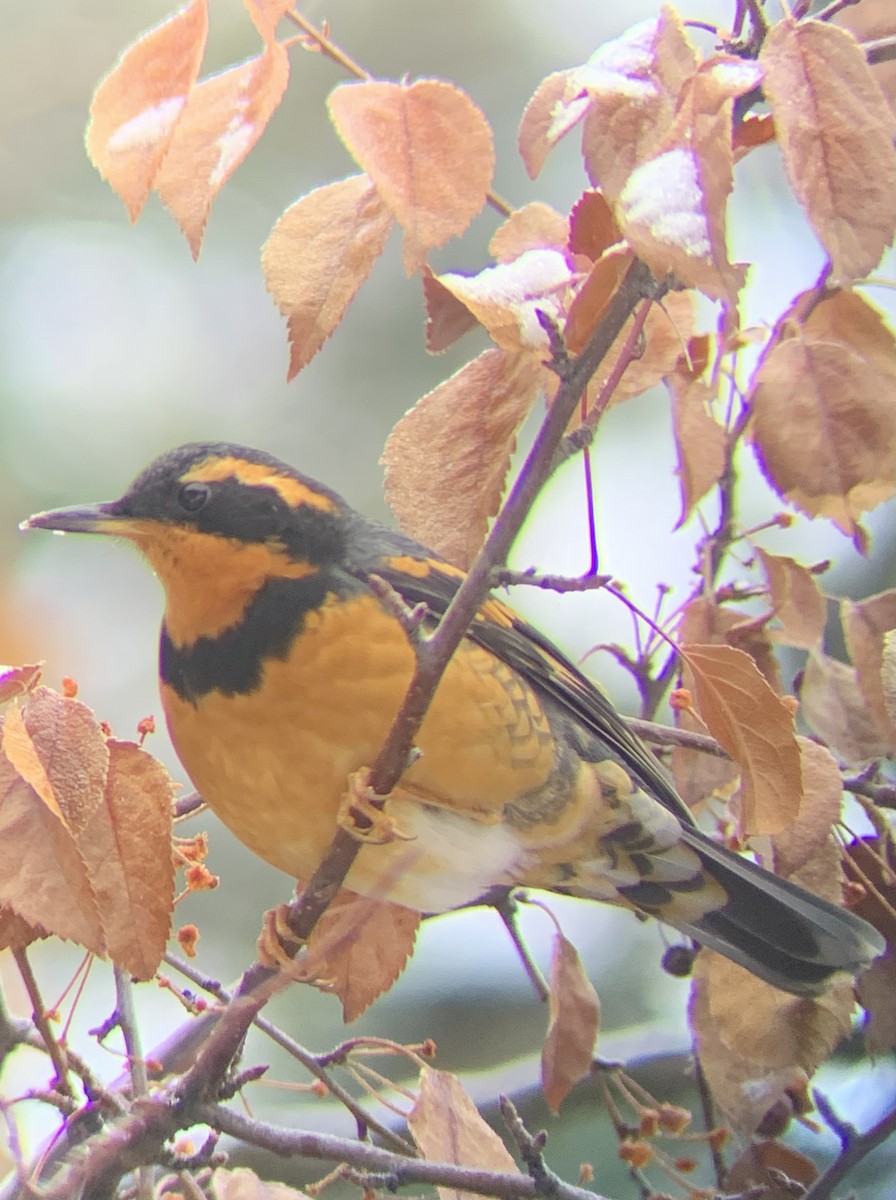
(115, 346)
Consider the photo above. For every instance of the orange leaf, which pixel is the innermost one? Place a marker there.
(447, 318)
(447, 459)
(127, 848)
(359, 948)
(428, 150)
(225, 116)
(447, 1127)
(592, 226)
(833, 706)
(593, 297)
(18, 681)
(820, 809)
(317, 256)
(136, 108)
(266, 14)
(43, 878)
(666, 330)
(824, 413)
(701, 442)
(505, 298)
(672, 208)
(633, 83)
(864, 625)
(568, 1049)
(550, 114)
(56, 746)
(535, 226)
(755, 727)
(836, 133)
(796, 600)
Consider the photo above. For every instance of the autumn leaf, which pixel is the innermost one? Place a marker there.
(535, 226)
(865, 624)
(824, 410)
(568, 1049)
(835, 709)
(136, 108)
(126, 845)
(755, 727)
(820, 809)
(225, 116)
(593, 228)
(358, 949)
(317, 256)
(666, 330)
(428, 150)
(836, 133)
(507, 298)
(550, 114)
(796, 600)
(868, 864)
(447, 318)
(447, 1127)
(447, 459)
(771, 1166)
(756, 1042)
(18, 681)
(592, 299)
(633, 84)
(701, 442)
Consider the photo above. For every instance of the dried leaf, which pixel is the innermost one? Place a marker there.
(127, 848)
(568, 1049)
(18, 681)
(359, 948)
(428, 150)
(819, 811)
(225, 116)
(15, 933)
(506, 298)
(754, 130)
(836, 132)
(43, 878)
(701, 442)
(447, 1127)
(593, 228)
(633, 84)
(864, 625)
(317, 256)
(824, 410)
(56, 746)
(239, 1183)
(535, 226)
(447, 319)
(835, 709)
(672, 208)
(755, 727)
(761, 1039)
(136, 108)
(550, 115)
(772, 1166)
(447, 459)
(743, 1089)
(888, 673)
(594, 295)
(796, 599)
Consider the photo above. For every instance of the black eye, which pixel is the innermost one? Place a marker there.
(192, 496)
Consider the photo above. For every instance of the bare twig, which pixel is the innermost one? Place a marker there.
(507, 908)
(42, 1024)
(395, 1170)
(856, 1146)
(504, 577)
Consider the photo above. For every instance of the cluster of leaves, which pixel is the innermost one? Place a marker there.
(662, 126)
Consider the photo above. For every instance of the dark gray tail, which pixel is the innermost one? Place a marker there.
(776, 929)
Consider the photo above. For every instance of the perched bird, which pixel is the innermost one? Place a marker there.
(282, 666)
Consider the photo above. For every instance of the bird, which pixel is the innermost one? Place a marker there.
(283, 659)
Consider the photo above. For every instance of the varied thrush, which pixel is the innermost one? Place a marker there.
(283, 664)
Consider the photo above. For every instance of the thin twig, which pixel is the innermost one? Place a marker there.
(857, 1148)
(394, 1168)
(42, 1024)
(507, 908)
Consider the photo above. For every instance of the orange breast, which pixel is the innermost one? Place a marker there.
(273, 763)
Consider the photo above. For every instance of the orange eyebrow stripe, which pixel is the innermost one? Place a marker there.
(294, 491)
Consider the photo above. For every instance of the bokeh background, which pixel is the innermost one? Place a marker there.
(115, 346)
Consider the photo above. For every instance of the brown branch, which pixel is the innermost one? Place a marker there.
(434, 653)
(670, 735)
(42, 1024)
(394, 1169)
(856, 1146)
(504, 577)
